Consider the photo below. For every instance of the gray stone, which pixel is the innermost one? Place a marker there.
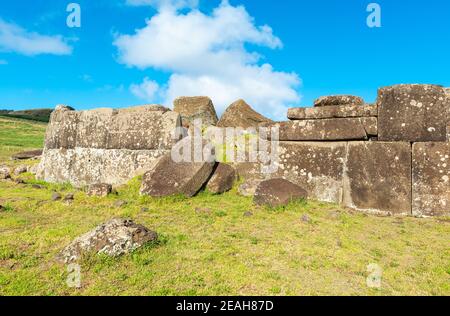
(24, 155)
(278, 192)
(193, 108)
(248, 214)
(248, 188)
(56, 196)
(113, 238)
(413, 113)
(185, 177)
(222, 180)
(99, 189)
(334, 111)
(431, 179)
(5, 173)
(378, 177)
(240, 114)
(327, 129)
(69, 197)
(338, 100)
(305, 218)
(120, 203)
(20, 169)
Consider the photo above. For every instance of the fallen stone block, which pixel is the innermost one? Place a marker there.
(338, 100)
(20, 169)
(333, 111)
(193, 108)
(431, 179)
(414, 113)
(186, 177)
(240, 114)
(278, 192)
(222, 180)
(378, 177)
(5, 173)
(99, 189)
(327, 129)
(24, 155)
(113, 238)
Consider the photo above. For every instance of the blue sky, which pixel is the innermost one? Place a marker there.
(225, 50)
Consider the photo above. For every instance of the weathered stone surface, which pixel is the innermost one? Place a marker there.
(86, 166)
(56, 196)
(327, 129)
(248, 188)
(317, 167)
(20, 169)
(192, 108)
(5, 173)
(99, 189)
(413, 113)
(32, 154)
(222, 180)
(431, 179)
(333, 111)
(338, 100)
(149, 127)
(278, 192)
(240, 114)
(186, 177)
(378, 177)
(113, 238)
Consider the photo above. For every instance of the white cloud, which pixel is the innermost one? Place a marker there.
(206, 55)
(14, 38)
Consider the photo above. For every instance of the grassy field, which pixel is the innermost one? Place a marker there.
(207, 246)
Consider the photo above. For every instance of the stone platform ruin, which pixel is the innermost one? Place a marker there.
(391, 157)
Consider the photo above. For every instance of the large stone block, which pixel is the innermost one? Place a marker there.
(378, 177)
(431, 179)
(318, 167)
(328, 129)
(193, 108)
(240, 114)
(413, 113)
(333, 111)
(338, 100)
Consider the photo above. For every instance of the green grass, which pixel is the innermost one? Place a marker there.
(208, 247)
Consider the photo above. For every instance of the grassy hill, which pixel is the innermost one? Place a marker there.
(207, 246)
(40, 115)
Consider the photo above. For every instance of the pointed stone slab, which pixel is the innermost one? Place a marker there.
(327, 129)
(334, 111)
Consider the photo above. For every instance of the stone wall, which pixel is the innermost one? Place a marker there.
(391, 157)
(105, 145)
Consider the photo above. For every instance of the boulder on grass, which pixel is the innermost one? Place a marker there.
(20, 169)
(222, 179)
(240, 114)
(278, 192)
(192, 108)
(183, 174)
(339, 100)
(24, 155)
(113, 238)
(99, 189)
(5, 173)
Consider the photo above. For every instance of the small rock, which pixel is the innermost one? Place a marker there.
(248, 188)
(37, 186)
(32, 154)
(99, 189)
(335, 214)
(145, 209)
(5, 173)
(278, 192)
(19, 181)
(248, 214)
(56, 196)
(305, 218)
(113, 238)
(120, 203)
(20, 169)
(339, 243)
(69, 197)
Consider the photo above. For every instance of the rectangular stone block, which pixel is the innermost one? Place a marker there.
(317, 167)
(413, 113)
(378, 177)
(430, 179)
(333, 111)
(328, 129)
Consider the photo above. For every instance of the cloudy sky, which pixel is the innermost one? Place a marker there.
(273, 54)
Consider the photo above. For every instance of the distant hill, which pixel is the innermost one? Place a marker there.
(41, 115)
